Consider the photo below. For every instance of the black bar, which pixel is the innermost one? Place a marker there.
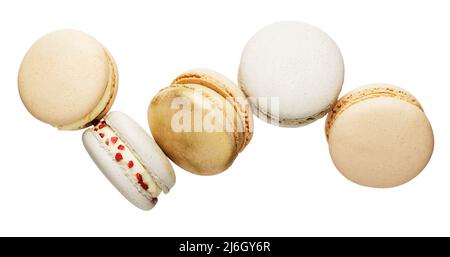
(221, 246)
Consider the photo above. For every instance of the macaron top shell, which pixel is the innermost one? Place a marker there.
(67, 79)
(381, 141)
(226, 88)
(297, 63)
(196, 150)
(145, 148)
(364, 93)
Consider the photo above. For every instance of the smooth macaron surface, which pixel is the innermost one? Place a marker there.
(199, 151)
(227, 89)
(130, 159)
(200, 121)
(296, 63)
(381, 140)
(67, 79)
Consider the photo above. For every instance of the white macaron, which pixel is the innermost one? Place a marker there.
(292, 73)
(130, 159)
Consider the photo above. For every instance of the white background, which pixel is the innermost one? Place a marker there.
(284, 183)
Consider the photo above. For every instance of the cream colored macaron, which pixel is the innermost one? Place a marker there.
(379, 136)
(68, 80)
(202, 121)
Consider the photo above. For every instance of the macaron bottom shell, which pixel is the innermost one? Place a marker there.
(269, 117)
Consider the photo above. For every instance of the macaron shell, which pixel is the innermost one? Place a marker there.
(297, 63)
(381, 142)
(228, 89)
(202, 153)
(284, 122)
(64, 76)
(146, 149)
(364, 93)
(113, 171)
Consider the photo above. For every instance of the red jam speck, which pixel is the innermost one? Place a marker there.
(107, 142)
(96, 129)
(101, 135)
(114, 139)
(141, 181)
(144, 186)
(101, 126)
(139, 177)
(130, 164)
(121, 147)
(119, 157)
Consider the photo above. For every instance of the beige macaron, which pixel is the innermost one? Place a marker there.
(202, 121)
(68, 80)
(379, 136)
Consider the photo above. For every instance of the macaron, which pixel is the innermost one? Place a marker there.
(130, 159)
(68, 79)
(292, 73)
(379, 136)
(202, 121)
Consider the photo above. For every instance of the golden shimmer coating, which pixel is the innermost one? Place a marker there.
(198, 99)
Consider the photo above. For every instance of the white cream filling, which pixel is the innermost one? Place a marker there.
(106, 134)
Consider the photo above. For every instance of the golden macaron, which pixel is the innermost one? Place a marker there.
(202, 121)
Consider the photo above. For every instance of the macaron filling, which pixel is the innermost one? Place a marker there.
(124, 156)
(222, 89)
(103, 104)
(365, 94)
